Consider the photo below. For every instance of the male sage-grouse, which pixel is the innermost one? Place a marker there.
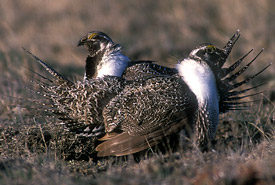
(145, 113)
(105, 58)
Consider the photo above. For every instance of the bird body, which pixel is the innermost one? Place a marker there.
(141, 116)
(163, 105)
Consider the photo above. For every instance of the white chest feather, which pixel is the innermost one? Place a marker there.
(201, 80)
(112, 64)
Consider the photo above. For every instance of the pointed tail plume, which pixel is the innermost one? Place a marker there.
(59, 78)
(228, 47)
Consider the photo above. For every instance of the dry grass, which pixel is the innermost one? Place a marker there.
(34, 149)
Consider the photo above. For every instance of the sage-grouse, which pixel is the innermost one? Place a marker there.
(105, 58)
(145, 113)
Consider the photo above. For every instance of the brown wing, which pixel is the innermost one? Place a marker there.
(142, 114)
(125, 144)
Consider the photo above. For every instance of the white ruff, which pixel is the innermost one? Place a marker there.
(113, 64)
(201, 80)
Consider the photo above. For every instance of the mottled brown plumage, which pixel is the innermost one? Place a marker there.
(79, 105)
(145, 113)
(142, 114)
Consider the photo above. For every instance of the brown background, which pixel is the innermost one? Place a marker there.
(157, 30)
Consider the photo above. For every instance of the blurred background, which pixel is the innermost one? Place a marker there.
(158, 30)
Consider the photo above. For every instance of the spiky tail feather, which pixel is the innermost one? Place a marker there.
(41, 105)
(228, 97)
(59, 78)
(55, 100)
(70, 102)
(37, 100)
(228, 47)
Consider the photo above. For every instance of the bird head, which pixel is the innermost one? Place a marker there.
(213, 56)
(95, 41)
(208, 54)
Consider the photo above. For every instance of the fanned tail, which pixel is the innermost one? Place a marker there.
(234, 76)
(56, 97)
(226, 71)
(228, 97)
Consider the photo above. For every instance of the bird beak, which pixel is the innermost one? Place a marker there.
(82, 41)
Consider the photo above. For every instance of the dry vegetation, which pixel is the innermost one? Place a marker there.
(34, 149)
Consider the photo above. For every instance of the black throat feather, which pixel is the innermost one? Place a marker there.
(91, 66)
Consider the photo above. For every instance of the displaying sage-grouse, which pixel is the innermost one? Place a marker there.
(145, 113)
(105, 58)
